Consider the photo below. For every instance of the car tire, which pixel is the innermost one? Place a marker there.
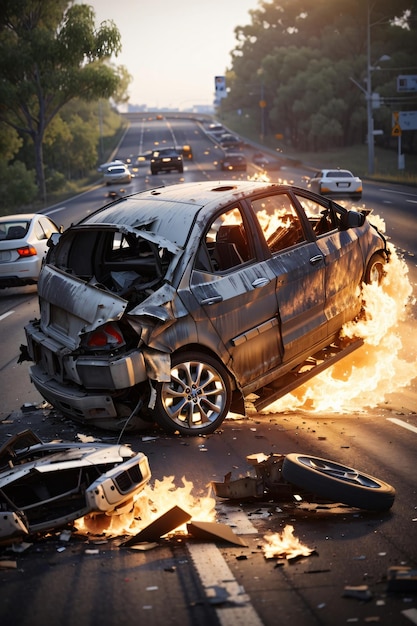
(197, 398)
(375, 269)
(336, 482)
(180, 170)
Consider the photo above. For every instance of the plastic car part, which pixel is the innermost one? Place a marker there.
(197, 398)
(336, 482)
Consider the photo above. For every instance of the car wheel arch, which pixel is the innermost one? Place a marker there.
(197, 399)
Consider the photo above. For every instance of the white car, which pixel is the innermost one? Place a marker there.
(337, 182)
(47, 485)
(104, 166)
(23, 245)
(117, 174)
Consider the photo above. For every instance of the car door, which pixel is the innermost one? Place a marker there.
(237, 292)
(343, 258)
(299, 267)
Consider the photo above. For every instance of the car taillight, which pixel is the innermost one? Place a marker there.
(26, 251)
(107, 336)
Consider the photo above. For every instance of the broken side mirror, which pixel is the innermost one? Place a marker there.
(351, 219)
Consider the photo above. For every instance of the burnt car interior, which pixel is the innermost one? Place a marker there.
(123, 263)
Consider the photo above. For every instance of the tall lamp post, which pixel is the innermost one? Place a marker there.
(369, 95)
(371, 146)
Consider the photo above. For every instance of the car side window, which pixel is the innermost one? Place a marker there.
(321, 217)
(279, 221)
(226, 244)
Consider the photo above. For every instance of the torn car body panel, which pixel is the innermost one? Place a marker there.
(46, 485)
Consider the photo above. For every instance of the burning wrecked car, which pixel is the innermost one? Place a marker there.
(175, 304)
(47, 485)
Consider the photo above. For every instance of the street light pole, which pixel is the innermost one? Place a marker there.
(371, 150)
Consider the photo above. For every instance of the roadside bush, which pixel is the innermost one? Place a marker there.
(17, 187)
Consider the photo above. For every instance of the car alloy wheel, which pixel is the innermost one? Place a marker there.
(336, 482)
(197, 398)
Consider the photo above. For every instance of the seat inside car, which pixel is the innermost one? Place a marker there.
(231, 246)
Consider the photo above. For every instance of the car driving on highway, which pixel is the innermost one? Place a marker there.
(337, 182)
(23, 245)
(177, 303)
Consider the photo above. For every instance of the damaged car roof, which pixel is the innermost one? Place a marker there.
(166, 211)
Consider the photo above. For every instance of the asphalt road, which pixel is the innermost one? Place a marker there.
(92, 580)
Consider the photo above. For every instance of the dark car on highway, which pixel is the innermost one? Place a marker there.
(233, 161)
(166, 160)
(178, 303)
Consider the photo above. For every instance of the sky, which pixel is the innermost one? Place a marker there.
(173, 49)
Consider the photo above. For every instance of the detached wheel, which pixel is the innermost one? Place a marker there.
(336, 482)
(197, 398)
(375, 270)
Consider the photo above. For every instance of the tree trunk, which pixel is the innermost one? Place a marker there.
(40, 174)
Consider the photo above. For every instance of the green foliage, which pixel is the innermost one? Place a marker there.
(17, 186)
(306, 58)
(50, 53)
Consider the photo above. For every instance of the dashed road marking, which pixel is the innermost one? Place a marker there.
(2, 317)
(403, 424)
(222, 588)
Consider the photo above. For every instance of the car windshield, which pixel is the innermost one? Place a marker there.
(13, 229)
(339, 174)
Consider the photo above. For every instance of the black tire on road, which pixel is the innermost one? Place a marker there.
(375, 269)
(336, 482)
(197, 398)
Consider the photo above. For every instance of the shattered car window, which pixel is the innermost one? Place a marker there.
(226, 243)
(279, 221)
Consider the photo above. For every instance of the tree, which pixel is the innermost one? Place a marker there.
(51, 53)
(307, 57)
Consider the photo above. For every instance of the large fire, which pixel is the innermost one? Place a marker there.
(364, 378)
(150, 504)
(360, 380)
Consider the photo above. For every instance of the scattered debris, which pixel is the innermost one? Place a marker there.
(360, 592)
(411, 614)
(167, 522)
(268, 482)
(8, 564)
(210, 531)
(402, 578)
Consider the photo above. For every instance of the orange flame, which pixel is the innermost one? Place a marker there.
(365, 377)
(284, 545)
(148, 505)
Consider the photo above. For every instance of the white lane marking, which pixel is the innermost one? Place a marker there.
(222, 587)
(2, 317)
(394, 420)
(397, 193)
(237, 520)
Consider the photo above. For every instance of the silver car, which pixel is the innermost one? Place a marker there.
(23, 245)
(177, 303)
